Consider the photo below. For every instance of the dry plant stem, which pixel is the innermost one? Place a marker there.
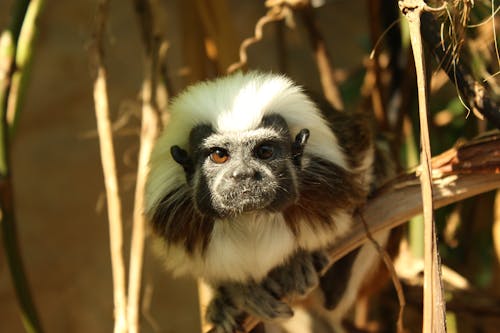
(24, 55)
(276, 13)
(16, 45)
(390, 267)
(434, 312)
(109, 169)
(323, 59)
(113, 199)
(149, 131)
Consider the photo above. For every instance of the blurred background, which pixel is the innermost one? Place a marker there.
(58, 182)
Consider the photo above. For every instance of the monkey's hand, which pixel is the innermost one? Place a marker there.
(298, 276)
(233, 301)
(263, 300)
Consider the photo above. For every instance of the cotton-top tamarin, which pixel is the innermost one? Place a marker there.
(249, 184)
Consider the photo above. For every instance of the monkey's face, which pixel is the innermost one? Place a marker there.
(238, 172)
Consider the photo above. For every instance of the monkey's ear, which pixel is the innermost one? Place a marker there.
(181, 156)
(298, 146)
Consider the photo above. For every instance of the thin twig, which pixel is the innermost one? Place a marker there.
(390, 267)
(109, 169)
(275, 13)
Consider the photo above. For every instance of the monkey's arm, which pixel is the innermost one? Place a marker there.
(264, 300)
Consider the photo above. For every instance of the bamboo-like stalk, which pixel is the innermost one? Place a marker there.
(434, 306)
(109, 168)
(24, 55)
(149, 131)
(16, 46)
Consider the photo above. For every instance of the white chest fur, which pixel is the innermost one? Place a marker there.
(248, 247)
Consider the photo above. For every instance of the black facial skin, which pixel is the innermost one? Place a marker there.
(242, 175)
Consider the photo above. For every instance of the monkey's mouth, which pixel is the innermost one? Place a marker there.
(244, 200)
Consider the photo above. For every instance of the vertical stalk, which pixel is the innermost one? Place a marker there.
(150, 124)
(434, 314)
(149, 132)
(15, 54)
(109, 168)
(23, 57)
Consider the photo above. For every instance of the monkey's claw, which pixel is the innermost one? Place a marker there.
(233, 300)
(298, 276)
(223, 315)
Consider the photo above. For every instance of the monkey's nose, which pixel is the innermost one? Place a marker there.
(245, 172)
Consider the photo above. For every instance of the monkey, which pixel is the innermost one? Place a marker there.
(249, 184)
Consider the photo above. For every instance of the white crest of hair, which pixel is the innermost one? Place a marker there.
(233, 104)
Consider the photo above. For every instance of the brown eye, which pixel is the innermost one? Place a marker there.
(264, 152)
(219, 155)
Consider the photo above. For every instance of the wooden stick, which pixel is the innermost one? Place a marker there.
(109, 169)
